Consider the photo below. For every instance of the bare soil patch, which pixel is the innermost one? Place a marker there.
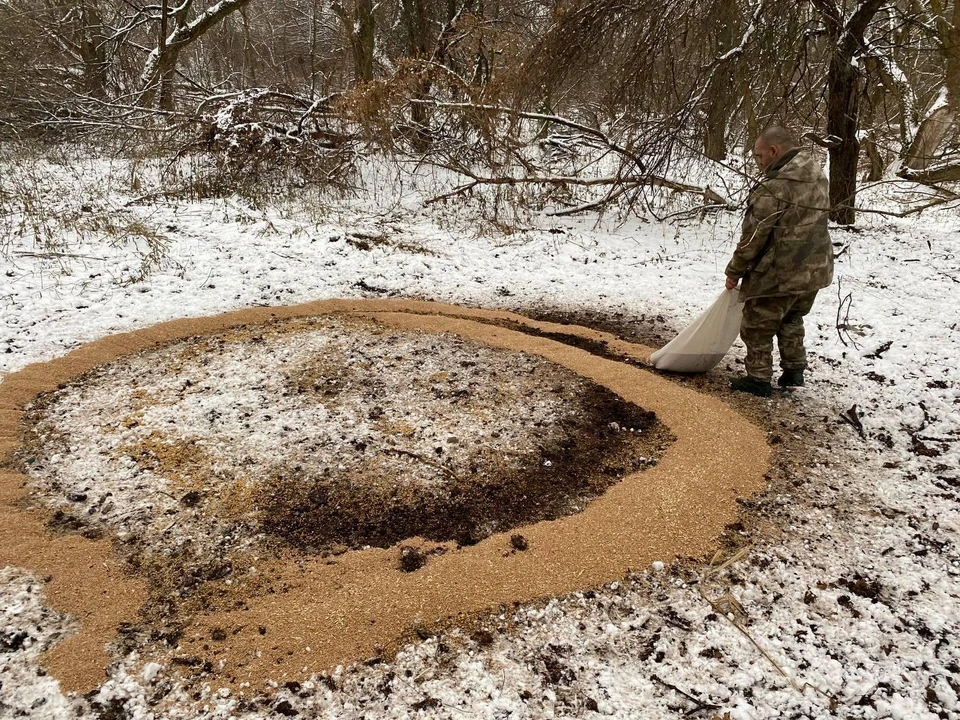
(314, 437)
(586, 452)
(232, 596)
(325, 435)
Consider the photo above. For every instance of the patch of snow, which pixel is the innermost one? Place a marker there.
(856, 599)
(343, 397)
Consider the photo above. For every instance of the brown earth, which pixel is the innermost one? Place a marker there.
(298, 615)
(317, 512)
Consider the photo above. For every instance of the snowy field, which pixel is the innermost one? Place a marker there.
(841, 597)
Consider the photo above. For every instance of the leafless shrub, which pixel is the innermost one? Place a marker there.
(479, 88)
(262, 143)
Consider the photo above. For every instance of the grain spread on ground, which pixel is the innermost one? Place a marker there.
(213, 487)
(327, 434)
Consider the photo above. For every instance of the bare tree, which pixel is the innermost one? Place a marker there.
(162, 60)
(941, 115)
(845, 35)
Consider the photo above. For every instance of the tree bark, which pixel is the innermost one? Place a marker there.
(934, 127)
(366, 39)
(361, 32)
(843, 101)
(877, 165)
(161, 64)
(719, 97)
(753, 125)
(249, 60)
(93, 49)
(166, 97)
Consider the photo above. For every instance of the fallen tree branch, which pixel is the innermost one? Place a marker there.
(912, 211)
(947, 171)
(595, 132)
(626, 183)
(700, 705)
(587, 207)
(51, 255)
(851, 416)
(843, 321)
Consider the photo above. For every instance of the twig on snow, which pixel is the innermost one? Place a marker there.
(851, 416)
(700, 705)
(723, 609)
(50, 255)
(844, 325)
(427, 461)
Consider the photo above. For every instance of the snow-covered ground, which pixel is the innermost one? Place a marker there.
(395, 415)
(844, 604)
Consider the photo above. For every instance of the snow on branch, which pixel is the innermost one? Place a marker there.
(726, 57)
(186, 34)
(893, 74)
(942, 172)
(744, 39)
(856, 24)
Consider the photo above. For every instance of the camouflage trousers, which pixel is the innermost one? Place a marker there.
(779, 316)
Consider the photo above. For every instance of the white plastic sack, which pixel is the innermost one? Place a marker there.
(707, 339)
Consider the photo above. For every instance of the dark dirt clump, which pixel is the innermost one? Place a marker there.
(518, 542)
(610, 438)
(412, 558)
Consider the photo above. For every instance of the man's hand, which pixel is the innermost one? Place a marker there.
(732, 283)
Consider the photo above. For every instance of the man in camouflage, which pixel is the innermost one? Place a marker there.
(784, 257)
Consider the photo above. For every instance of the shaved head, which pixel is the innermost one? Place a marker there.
(772, 143)
(780, 136)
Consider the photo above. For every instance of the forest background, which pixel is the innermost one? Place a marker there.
(296, 92)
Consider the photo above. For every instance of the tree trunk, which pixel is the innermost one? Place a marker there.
(93, 50)
(718, 93)
(361, 31)
(942, 115)
(753, 125)
(249, 60)
(161, 63)
(418, 26)
(843, 101)
(715, 133)
(365, 40)
(877, 165)
(314, 26)
(166, 97)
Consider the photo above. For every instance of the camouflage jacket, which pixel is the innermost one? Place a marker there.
(784, 246)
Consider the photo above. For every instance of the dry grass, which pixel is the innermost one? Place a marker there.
(58, 207)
